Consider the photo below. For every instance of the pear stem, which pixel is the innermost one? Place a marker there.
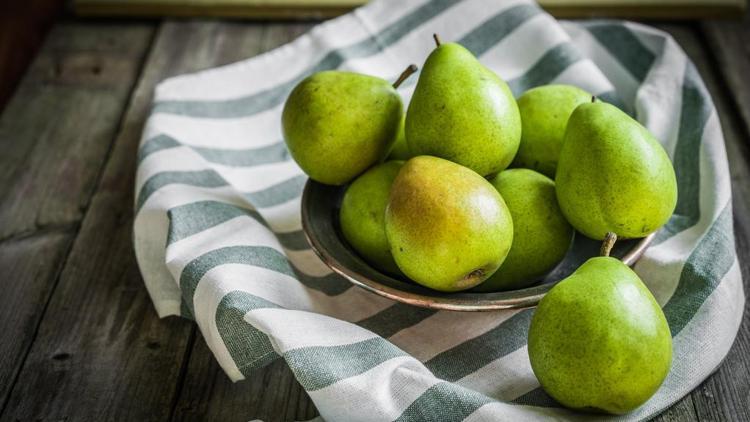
(609, 242)
(593, 98)
(404, 75)
(437, 39)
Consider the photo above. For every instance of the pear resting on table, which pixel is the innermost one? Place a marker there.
(429, 198)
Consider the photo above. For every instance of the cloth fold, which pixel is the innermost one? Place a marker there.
(218, 235)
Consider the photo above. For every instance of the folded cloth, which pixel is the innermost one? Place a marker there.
(218, 235)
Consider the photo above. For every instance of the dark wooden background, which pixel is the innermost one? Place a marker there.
(79, 339)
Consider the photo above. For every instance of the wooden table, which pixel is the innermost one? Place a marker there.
(79, 338)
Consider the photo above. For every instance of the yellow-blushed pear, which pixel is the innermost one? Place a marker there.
(541, 234)
(337, 124)
(362, 215)
(463, 112)
(613, 175)
(448, 227)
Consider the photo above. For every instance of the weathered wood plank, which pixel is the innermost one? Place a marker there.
(207, 393)
(101, 353)
(114, 358)
(725, 395)
(272, 394)
(59, 125)
(682, 411)
(729, 42)
(55, 134)
(29, 267)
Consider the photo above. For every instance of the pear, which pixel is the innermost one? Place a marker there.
(541, 234)
(463, 112)
(544, 113)
(337, 124)
(612, 175)
(400, 150)
(449, 229)
(598, 340)
(362, 215)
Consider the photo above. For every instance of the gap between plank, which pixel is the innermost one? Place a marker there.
(183, 371)
(42, 230)
(76, 227)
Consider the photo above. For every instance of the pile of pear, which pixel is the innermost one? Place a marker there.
(471, 188)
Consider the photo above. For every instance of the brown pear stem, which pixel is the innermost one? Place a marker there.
(437, 39)
(608, 244)
(593, 98)
(404, 75)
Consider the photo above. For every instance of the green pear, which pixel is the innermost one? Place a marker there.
(400, 150)
(337, 124)
(599, 341)
(463, 112)
(612, 175)
(544, 113)
(541, 234)
(449, 229)
(362, 215)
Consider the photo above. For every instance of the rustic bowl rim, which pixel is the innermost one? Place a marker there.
(471, 301)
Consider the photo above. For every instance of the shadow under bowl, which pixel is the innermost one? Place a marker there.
(320, 210)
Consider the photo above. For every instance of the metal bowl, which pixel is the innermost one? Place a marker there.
(320, 210)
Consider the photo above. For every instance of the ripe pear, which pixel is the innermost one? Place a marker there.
(449, 229)
(599, 341)
(463, 112)
(544, 113)
(541, 234)
(362, 215)
(612, 175)
(400, 150)
(337, 124)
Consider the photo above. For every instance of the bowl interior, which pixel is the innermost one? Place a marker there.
(320, 209)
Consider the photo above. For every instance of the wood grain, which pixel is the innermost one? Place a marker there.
(271, 394)
(682, 411)
(61, 122)
(722, 395)
(29, 267)
(100, 352)
(54, 136)
(120, 353)
(729, 43)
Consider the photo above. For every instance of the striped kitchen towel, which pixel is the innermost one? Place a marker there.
(218, 235)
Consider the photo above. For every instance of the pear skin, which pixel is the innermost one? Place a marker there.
(541, 234)
(362, 215)
(612, 175)
(544, 114)
(448, 228)
(400, 150)
(599, 341)
(463, 112)
(337, 124)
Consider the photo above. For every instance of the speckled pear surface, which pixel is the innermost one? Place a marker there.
(541, 234)
(599, 341)
(449, 229)
(400, 149)
(613, 175)
(463, 112)
(362, 215)
(544, 114)
(337, 124)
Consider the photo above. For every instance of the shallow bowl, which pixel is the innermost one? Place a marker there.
(320, 210)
